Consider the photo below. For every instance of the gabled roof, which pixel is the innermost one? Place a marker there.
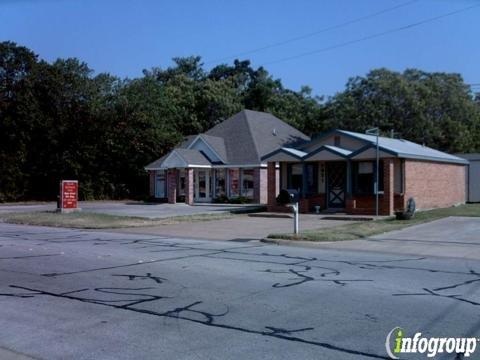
(193, 157)
(285, 154)
(217, 144)
(388, 147)
(242, 139)
(397, 147)
(180, 158)
(329, 153)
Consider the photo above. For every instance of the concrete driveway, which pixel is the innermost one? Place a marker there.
(132, 208)
(242, 227)
(449, 237)
(72, 294)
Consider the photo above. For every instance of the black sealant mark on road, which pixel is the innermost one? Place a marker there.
(276, 331)
(27, 256)
(208, 320)
(148, 275)
(429, 292)
(120, 266)
(301, 278)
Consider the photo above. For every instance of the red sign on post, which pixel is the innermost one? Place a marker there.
(68, 194)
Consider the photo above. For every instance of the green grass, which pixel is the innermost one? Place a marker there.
(360, 230)
(87, 220)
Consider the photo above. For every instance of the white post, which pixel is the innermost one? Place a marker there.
(295, 218)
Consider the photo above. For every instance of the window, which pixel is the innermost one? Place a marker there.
(296, 177)
(220, 188)
(364, 174)
(312, 178)
(247, 183)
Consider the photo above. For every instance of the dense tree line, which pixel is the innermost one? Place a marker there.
(60, 120)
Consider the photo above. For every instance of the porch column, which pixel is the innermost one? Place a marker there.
(271, 184)
(386, 207)
(349, 179)
(189, 186)
(304, 191)
(172, 186)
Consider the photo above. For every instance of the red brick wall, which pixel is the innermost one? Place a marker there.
(172, 186)
(189, 191)
(271, 185)
(365, 204)
(260, 185)
(434, 185)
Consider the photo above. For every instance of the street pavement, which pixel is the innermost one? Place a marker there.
(74, 294)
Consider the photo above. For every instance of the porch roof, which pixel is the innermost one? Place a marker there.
(389, 147)
(327, 152)
(180, 158)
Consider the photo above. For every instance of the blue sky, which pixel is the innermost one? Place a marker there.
(123, 37)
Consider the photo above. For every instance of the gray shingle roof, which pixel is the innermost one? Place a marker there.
(249, 135)
(243, 139)
(217, 144)
(156, 164)
(193, 157)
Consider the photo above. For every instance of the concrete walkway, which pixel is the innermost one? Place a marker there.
(457, 237)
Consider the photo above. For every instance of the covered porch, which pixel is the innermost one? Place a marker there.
(334, 179)
(207, 184)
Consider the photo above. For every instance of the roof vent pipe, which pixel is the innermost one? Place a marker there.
(274, 132)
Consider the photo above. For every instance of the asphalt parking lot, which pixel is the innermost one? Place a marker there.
(95, 295)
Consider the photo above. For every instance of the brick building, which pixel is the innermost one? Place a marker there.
(337, 171)
(224, 162)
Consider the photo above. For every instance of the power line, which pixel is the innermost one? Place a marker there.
(308, 35)
(373, 36)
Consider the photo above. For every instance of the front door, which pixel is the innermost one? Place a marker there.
(336, 184)
(160, 184)
(202, 186)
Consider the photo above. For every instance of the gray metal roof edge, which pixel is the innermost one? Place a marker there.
(369, 146)
(274, 152)
(325, 148)
(433, 159)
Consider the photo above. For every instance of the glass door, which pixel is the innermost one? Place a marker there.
(202, 186)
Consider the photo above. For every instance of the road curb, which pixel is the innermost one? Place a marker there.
(297, 243)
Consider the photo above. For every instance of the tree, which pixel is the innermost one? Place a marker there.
(17, 111)
(436, 109)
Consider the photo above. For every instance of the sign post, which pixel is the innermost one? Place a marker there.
(68, 196)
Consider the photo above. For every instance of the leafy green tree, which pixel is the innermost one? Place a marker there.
(436, 109)
(17, 113)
